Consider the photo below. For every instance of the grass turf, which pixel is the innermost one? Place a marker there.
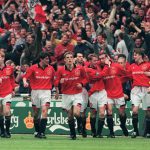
(28, 142)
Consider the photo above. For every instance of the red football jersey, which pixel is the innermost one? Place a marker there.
(71, 79)
(39, 78)
(8, 81)
(128, 75)
(138, 76)
(113, 84)
(95, 80)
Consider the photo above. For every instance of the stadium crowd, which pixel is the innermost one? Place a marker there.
(95, 34)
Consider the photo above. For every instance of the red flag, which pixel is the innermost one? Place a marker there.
(39, 14)
(36, 11)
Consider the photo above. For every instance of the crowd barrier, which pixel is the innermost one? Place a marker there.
(22, 120)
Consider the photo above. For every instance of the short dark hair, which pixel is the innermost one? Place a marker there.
(90, 56)
(122, 56)
(43, 55)
(121, 35)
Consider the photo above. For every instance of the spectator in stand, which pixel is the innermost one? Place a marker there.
(102, 46)
(4, 36)
(83, 47)
(121, 46)
(21, 70)
(62, 48)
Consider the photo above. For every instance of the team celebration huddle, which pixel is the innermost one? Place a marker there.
(94, 54)
(99, 83)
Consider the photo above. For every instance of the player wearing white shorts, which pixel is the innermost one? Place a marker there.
(41, 77)
(72, 79)
(140, 71)
(81, 121)
(113, 86)
(7, 84)
(97, 96)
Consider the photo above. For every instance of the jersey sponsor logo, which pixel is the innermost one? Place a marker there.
(71, 79)
(4, 77)
(109, 77)
(137, 72)
(77, 72)
(42, 77)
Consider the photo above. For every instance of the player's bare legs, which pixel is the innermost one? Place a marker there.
(93, 121)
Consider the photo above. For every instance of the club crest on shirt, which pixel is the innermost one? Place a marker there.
(64, 74)
(49, 72)
(112, 71)
(144, 67)
(77, 73)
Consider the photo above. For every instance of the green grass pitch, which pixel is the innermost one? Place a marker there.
(53, 142)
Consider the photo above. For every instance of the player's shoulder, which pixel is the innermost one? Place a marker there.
(34, 66)
(9, 67)
(60, 68)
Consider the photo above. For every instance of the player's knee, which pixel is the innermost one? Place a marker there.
(109, 112)
(76, 114)
(6, 113)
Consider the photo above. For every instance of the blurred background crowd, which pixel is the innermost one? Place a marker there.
(81, 26)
